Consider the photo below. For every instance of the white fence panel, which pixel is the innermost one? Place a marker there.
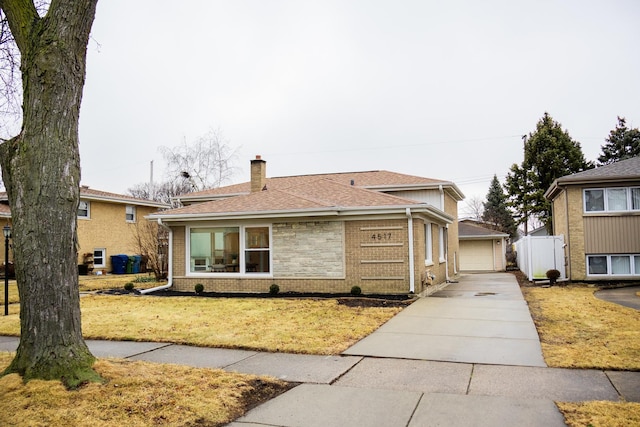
(536, 255)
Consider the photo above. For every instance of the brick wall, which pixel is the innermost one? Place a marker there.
(107, 228)
(451, 207)
(376, 258)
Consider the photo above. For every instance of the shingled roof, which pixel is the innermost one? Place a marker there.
(312, 196)
(469, 231)
(620, 171)
(373, 180)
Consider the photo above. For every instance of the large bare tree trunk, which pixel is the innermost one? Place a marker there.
(41, 171)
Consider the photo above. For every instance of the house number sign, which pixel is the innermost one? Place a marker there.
(381, 236)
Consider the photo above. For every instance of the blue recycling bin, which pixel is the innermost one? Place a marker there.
(119, 264)
(137, 259)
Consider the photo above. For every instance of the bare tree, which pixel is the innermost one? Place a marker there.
(152, 242)
(474, 207)
(164, 192)
(207, 163)
(41, 171)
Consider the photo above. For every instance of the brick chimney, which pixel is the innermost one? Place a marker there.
(258, 174)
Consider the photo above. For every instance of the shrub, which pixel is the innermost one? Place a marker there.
(129, 286)
(553, 275)
(274, 289)
(199, 288)
(355, 290)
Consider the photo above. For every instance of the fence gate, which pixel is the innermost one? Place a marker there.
(536, 255)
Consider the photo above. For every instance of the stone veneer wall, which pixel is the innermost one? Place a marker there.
(308, 249)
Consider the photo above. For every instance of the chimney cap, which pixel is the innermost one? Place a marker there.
(258, 157)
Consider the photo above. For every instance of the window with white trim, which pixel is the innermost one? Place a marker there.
(441, 244)
(613, 265)
(130, 213)
(428, 244)
(223, 250)
(84, 209)
(619, 199)
(99, 257)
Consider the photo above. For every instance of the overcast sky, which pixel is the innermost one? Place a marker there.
(437, 89)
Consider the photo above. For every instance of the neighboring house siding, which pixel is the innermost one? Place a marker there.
(308, 249)
(576, 234)
(591, 233)
(561, 225)
(107, 228)
(612, 234)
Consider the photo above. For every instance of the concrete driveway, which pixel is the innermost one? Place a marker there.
(481, 319)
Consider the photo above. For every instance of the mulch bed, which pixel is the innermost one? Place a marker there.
(368, 300)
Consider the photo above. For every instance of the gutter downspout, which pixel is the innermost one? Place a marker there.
(169, 263)
(446, 253)
(445, 237)
(412, 273)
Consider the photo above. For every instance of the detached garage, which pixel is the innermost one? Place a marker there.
(481, 249)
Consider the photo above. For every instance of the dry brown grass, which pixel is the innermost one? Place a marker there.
(13, 292)
(135, 394)
(577, 330)
(600, 414)
(280, 325)
(90, 283)
(115, 281)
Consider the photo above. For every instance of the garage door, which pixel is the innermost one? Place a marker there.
(476, 255)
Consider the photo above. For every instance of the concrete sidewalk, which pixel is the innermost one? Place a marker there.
(380, 389)
(371, 391)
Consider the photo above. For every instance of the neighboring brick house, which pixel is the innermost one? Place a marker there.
(598, 212)
(385, 232)
(106, 223)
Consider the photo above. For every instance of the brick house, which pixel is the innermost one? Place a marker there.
(106, 223)
(383, 231)
(598, 212)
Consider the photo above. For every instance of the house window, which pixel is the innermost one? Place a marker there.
(256, 253)
(428, 244)
(99, 256)
(222, 250)
(441, 244)
(617, 199)
(130, 213)
(635, 199)
(612, 199)
(84, 209)
(613, 265)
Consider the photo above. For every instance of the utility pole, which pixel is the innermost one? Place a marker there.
(526, 184)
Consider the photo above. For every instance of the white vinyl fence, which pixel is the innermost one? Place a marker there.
(537, 255)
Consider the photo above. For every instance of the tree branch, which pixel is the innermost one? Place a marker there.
(22, 16)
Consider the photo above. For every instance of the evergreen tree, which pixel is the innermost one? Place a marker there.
(496, 213)
(622, 143)
(549, 153)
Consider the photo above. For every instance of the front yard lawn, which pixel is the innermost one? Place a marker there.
(135, 394)
(577, 330)
(311, 326)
